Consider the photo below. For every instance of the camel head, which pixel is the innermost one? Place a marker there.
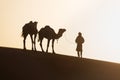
(60, 33)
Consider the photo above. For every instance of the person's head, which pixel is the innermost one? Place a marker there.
(79, 33)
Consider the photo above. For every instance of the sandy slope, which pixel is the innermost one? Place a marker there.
(17, 64)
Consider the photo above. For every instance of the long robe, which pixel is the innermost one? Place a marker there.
(79, 40)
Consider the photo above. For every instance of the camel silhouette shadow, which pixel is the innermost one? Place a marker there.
(30, 29)
(48, 33)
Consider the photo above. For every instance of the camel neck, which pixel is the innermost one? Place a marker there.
(59, 34)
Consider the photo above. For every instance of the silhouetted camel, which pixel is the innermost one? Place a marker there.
(49, 34)
(31, 29)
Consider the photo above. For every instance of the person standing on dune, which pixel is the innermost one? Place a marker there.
(79, 40)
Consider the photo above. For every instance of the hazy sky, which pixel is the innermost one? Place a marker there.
(98, 20)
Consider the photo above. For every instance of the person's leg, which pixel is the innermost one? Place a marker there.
(81, 54)
(78, 53)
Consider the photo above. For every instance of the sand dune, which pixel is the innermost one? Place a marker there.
(17, 64)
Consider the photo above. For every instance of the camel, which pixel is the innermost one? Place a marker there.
(48, 33)
(31, 29)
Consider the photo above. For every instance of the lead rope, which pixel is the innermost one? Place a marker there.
(68, 40)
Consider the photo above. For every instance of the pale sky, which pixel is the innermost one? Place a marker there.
(98, 20)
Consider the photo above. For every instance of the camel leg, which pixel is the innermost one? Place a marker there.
(32, 41)
(41, 45)
(47, 46)
(24, 47)
(24, 42)
(53, 46)
(35, 42)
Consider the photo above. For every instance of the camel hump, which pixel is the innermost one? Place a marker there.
(49, 29)
(47, 26)
(29, 28)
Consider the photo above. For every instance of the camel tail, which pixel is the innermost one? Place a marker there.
(22, 35)
(57, 41)
(38, 37)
